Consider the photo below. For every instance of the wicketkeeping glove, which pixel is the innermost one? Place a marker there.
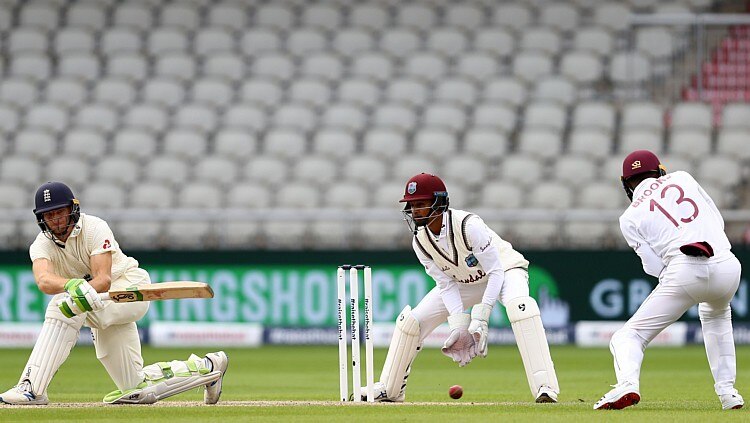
(82, 297)
(480, 316)
(460, 344)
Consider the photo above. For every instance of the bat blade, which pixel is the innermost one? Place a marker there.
(162, 291)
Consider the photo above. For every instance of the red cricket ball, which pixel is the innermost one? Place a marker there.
(455, 391)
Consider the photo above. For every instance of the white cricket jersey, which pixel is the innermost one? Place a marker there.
(466, 251)
(91, 236)
(669, 212)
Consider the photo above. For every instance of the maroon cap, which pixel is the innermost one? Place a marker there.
(640, 161)
(422, 187)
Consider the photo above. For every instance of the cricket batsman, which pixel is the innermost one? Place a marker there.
(678, 233)
(74, 258)
(473, 268)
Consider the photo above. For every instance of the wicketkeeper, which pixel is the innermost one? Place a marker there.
(473, 268)
(74, 257)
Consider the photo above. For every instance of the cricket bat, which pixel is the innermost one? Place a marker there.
(160, 291)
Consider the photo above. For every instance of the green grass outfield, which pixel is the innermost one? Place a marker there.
(301, 384)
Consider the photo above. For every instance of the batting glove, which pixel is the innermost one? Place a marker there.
(478, 328)
(82, 297)
(460, 344)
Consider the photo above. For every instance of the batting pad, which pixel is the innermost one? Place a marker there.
(164, 379)
(404, 347)
(51, 349)
(526, 321)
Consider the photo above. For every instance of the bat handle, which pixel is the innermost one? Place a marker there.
(105, 296)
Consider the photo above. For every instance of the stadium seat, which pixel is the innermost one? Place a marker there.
(466, 170)
(267, 170)
(19, 92)
(180, 15)
(70, 169)
(47, 116)
(551, 196)
(643, 115)
(428, 66)
(560, 16)
(736, 116)
(264, 92)
(277, 17)
(657, 42)
(273, 66)
(34, 66)
(116, 92)
(628, 70)
(675, 162)
(249, 195)
(285, 143)
(408, 91)
(228, 15)
(640, 139)
(590, 142)
(556, 89)
(387, 194)
(226, 66)
(372, 65)
(722, 171)
(166, 169)
(612, 15)
(103, 195)
(359, 91)
(256, 42)
(21, 169)
(74, 40)
(386, 143)
(133, 67)
(350, 42)
(454, 90)
(477, 67)
(334, 143)
(733, 142)
(385, 234)
(235, 143)
(495, 40)
(90, 16)
(508, 90)
(185, 143)
(118, 170)
(27, 40)
(582, 67)
(394, 116)
(119, 40)
(574, 170)
(545, 115)
(196, 116)
(521, 169)
(346, 196)
(200, 196)
(501, 195)
(345, 116)
(215, 92)
(611, 169)
(446, 116)
(84, 142)
(136, 15)
(449, 42)
(101, 117)
(542, 39)
(435, 143)
(512, 15)
(692, 115)
(165, 92)
(602, 195)
(531, 66)
(295, 116)
(305, 41)
(9, 119)
(162, 41)
(148, 195)
(497, 116)
(136, 143)
(420, 17)
(690, 143)
(466, 17)
(324, 16)
(249, 117)
(594, 39)
(212, 41)
(540, 142)
(316, 170)
(370, 16)
(313, 92)
(486, 144)
(594, 114)
(39, 14)
(297, 195)
(409, 165)
(367, 170)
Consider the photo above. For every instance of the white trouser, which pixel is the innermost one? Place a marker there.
(115, 334)
(686, 281)
(431, 311)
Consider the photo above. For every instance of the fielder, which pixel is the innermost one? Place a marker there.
(71, 245)
(677, 231)
(472, 267)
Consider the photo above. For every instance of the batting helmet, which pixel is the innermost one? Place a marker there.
(424, 187)
(638, 163)
(52, 196)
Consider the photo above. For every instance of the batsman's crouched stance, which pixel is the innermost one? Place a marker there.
(71, 245)
(473, 268)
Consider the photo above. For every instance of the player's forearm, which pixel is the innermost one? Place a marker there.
(101, 283)
(50, 283)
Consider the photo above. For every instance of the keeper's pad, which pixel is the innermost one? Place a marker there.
(404, 347)
(51, 349)
(526, 321)
(164, 380)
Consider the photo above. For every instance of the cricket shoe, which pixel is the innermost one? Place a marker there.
(380, 393)
(622, 395)
(22, 394)
(546, 395)
(220, 362)
(731, 401)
